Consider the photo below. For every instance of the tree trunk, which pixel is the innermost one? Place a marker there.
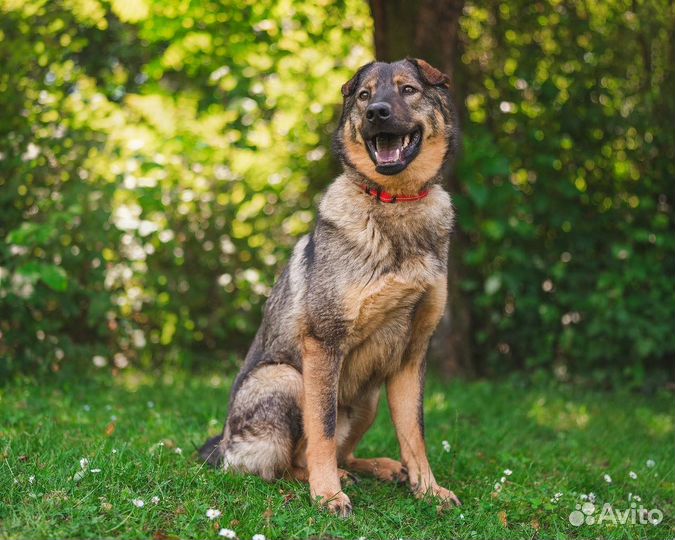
(428, 29)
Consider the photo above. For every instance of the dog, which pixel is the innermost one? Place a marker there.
(358, 302)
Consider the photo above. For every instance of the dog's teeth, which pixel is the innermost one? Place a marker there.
(406, 140)
(398, 154)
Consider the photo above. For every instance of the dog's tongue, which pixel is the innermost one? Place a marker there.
(388, 148)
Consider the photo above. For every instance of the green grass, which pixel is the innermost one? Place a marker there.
(554, 439)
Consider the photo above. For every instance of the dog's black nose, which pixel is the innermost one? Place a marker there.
(378, 111)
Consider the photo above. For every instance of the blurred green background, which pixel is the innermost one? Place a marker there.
(158, 160)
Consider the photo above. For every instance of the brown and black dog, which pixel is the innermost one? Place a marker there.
(356, 306)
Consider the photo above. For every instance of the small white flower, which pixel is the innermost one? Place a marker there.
(138, 503)
(461, 516)
(84, 463)
(508, 472)
(608, 479)
(651, 463)
(99, 361)
(155, 500)
(87, 408)
(446, 445)
(591, 497)
(258, 537)
(212, 513)
(632, 475)
(584, 497)
(637, 498)
(95, 471)
(151, 404)
(498, 487)
(114, 450)
(502, 479)
(178, 450)
(79, 475)
(227, 533)
(31, 479)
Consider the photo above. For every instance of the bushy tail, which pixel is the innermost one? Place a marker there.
(212, 452)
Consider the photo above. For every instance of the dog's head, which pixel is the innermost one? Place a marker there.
(398, 125)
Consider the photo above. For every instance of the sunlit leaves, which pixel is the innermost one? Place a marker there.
(190, 134)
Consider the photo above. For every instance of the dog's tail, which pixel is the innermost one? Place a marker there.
(212, 451)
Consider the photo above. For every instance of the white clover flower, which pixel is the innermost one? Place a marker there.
(31, 479)
(637, 498)
(87, 408)
(79, 475)
(508, 472)
(151, 404)
(498, 487)
(591, 497)
(632, 475)
(138, 503)
(178, 450)
(227, 533)
(84, 463)
(155, 500)
(258, 537)
(584, 497)
(502, 479)
(608, 478)
(446, 445)
(114, 450)
(212, 513)
(651, 463)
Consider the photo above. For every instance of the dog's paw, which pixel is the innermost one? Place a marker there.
(338, 504)
(445, 495)
(390, 470)
(347, 477)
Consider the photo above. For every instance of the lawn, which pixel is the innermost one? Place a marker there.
(138, 433)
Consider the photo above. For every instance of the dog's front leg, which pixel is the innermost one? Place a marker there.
(320, 375)
(405, 393)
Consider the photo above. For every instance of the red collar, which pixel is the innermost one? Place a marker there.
(385, 197)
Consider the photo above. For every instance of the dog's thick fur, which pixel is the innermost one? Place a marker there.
(355, 307)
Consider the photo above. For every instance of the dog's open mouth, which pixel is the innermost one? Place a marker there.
(392, 153)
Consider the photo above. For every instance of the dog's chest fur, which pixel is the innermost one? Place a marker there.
(396, 253)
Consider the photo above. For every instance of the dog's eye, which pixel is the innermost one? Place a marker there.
(408, 90)
(364, 95)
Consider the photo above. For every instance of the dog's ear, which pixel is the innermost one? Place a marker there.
(429, 73)
(349, 87)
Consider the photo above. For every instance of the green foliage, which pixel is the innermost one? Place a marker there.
(569, 167)
(159, 159)
(157, 162)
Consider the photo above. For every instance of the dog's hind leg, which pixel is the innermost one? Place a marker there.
(360, 418)
(264, 424)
